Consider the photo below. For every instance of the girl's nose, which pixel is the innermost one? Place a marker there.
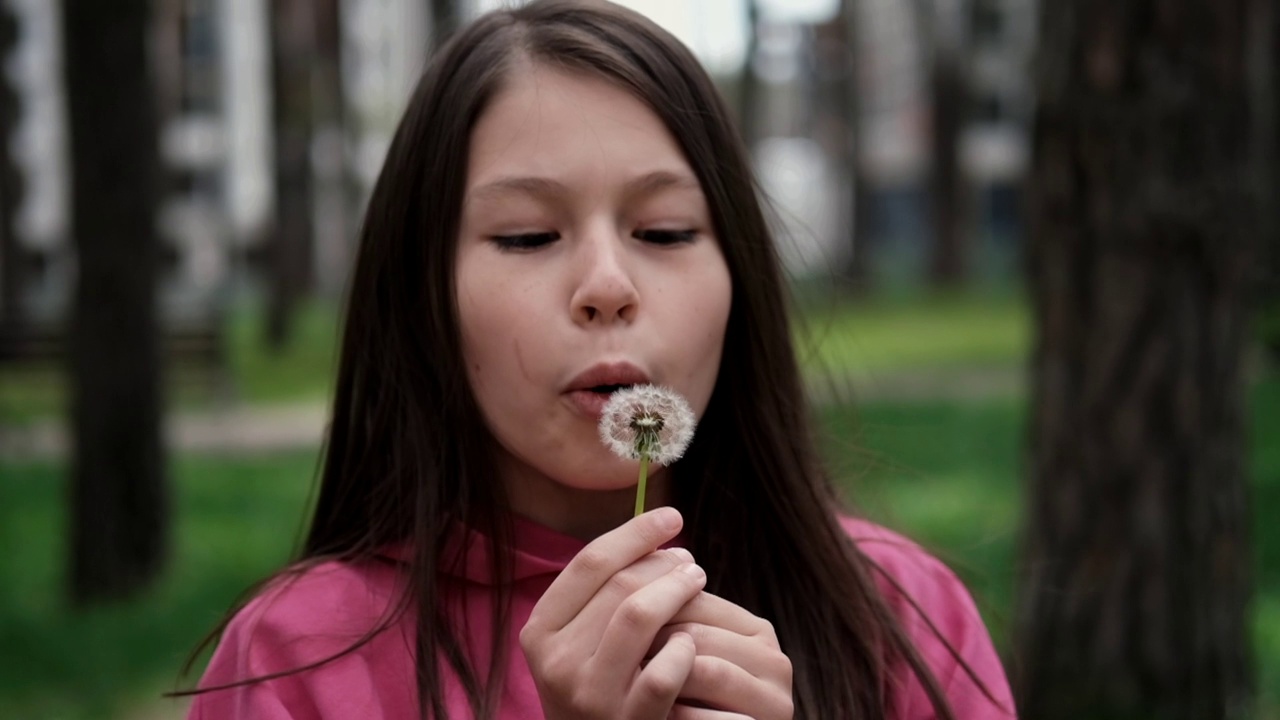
(606, 291)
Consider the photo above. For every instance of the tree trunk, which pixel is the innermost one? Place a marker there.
(12, 258)
(1268, 61)
(858, 272)
(1138, 557)
(445, 19)
(749, 95)
(949, 189)
(119, 525)
(289, 260)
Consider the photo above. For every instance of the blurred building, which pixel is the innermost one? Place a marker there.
(217, 136)
(39, 149)
(896, 42)
(213, 64)
(996, 148)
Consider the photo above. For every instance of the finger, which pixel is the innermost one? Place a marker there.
(708, 609)
(756, 656)
(657, 685)
(599, 561)
(599, 610)
(639, 617)
(720, 684)
(688, 712)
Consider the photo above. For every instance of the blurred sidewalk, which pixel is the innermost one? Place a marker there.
(275, 428)
(239, 429)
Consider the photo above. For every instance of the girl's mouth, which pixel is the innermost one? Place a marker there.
(590, 401)
(590, 389)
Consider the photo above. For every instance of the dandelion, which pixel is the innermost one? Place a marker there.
(647, 423)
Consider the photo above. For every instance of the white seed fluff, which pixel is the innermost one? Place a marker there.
(647, 406)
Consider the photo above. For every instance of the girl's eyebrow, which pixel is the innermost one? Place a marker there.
(546, 188)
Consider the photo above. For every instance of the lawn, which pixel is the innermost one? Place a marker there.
(935, 333)
(945, 473)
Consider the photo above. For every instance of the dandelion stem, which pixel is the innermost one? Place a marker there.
(644, 477)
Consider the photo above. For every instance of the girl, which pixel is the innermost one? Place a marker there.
(566, 209)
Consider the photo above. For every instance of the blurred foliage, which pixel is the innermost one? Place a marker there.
(945, 473)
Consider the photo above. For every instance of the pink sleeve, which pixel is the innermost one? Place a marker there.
(907, 573)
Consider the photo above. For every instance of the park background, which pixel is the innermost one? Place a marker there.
(897, 144)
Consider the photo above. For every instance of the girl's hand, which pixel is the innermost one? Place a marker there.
(590, 633)
(739, 670)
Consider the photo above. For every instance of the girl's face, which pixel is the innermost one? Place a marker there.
(586, 259)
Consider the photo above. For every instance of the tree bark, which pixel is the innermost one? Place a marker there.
(1137, 565)
(858, 272)
(749, 95)
(290, 266)
(948, 187)
(445, 18)
(12, 258)
(1268, 58)
(119, 525)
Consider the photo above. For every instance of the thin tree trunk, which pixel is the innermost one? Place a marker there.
(949, 189)
(749, 109)
(858, 273)
(1268, 65)
(119, 523)
(333, 257)
(445, 18)
(1138, 556)
(290, 256)
(12, 260)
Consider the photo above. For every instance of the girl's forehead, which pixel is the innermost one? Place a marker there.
(567, 126)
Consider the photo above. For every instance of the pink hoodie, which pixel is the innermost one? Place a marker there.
(327, 608)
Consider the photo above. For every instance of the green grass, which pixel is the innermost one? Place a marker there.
(933, 332)
(302, 372)
(946, 474)
(234, 521)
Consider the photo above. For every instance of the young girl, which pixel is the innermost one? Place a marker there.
(566, 209)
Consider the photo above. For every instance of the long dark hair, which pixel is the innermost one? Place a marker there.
(406, 455)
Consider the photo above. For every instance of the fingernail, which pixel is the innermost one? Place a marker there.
(667, 517)
(693, 571)
(681, 553)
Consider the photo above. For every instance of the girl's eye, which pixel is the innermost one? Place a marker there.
(666, 237)
(526, 241)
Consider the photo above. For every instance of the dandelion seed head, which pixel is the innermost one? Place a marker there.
(647, 420)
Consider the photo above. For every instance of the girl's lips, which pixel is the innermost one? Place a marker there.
(588, 402)
(603, 374)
